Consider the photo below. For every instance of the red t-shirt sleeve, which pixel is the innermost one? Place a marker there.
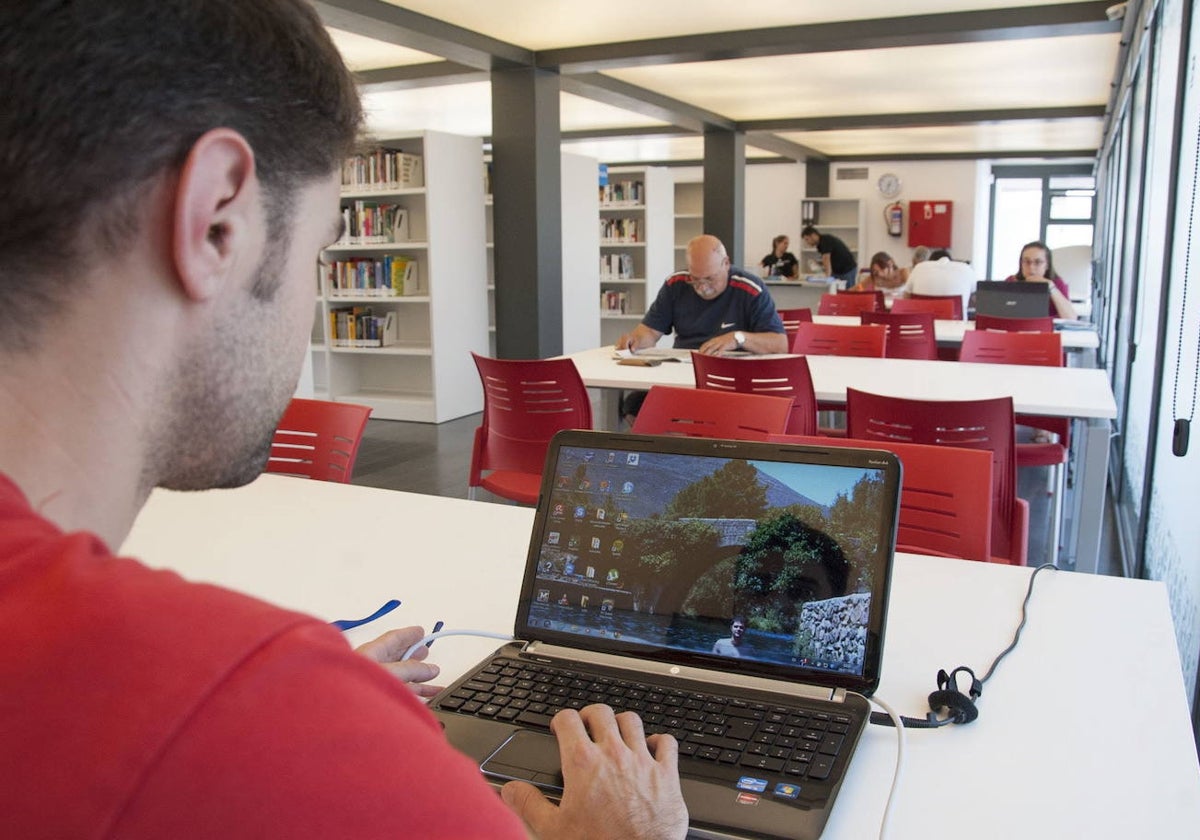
(303, 739)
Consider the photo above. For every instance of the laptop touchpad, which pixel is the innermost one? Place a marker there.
(529, 756)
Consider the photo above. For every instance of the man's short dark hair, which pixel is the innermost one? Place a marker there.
(100, 97)
(934, 256)
(809, 230)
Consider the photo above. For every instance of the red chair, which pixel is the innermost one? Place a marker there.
(846, 303)
(942, 308)
(910, 334)
(956, 303)
(945, 497)
(524, 403)
(318, 439)
(1030, 348)
(880, 301)
(970, 424)
(700, 412)
(837, 340)
(1002, 324)
(793, 318)
(785, 376)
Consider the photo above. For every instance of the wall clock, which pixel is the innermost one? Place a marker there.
(889, 185)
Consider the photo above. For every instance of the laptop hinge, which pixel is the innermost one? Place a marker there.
(669, 671)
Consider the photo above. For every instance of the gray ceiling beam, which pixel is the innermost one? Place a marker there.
(784, 148)
(385, 22)
(645, 102)
(880, 33)
(427, 74)
(637, 131)
(930, 118)
(1037, 154)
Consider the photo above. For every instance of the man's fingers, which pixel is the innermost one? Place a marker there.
(530, 805)
(633, 733)
(665, 749)
(392, 645)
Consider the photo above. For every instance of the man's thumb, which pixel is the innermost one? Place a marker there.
(530, 805)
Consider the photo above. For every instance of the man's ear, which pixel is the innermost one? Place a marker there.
(217, 201)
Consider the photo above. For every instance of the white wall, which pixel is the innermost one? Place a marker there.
(955, 181)
(773, 193)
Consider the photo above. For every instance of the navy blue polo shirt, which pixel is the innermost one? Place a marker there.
(745, 305)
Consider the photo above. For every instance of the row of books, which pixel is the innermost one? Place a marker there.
(616, 267)
(358, 326)
(614, 302)
(623, 193)
(383, 169)
(366, 223)
(393, 275)
(620, 230)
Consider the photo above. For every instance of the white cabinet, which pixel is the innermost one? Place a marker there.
(689, 217)
(637, 244)
(840, 217)
(414, 279)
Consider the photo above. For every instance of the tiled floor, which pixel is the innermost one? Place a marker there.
(434, 459)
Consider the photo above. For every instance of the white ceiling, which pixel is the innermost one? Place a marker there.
(1067, 71)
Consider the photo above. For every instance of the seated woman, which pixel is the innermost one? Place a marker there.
(780, 262)
(884, 277)
(1037, 266)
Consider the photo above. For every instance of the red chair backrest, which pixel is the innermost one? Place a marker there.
(847, 303)
(837, 340)
(777, 377)
(910, 334)
(942, 308)
(701, 412)
(793, 318)
(971, 424)
(318, 439)
(945, 497)
(1019, 348)
(1002, 324)
(956, 304)
(525, 401)
(880, 303)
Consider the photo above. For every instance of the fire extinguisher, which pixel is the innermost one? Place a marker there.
(894, 215)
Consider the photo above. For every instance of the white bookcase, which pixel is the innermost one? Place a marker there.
(426, 373)
(649, 247)
(689, 217)
(840, 217)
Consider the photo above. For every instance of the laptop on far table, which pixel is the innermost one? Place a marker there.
(647, 553)
(1012, 300)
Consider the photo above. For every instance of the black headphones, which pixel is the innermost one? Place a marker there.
(950, 701)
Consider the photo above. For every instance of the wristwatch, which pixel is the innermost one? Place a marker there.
(740, 338)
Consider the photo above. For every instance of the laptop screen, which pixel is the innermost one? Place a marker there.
(756, 557)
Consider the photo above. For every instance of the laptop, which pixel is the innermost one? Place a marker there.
(733, 594)
(1012, 300)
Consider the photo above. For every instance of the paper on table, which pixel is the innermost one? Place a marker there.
(667, 354)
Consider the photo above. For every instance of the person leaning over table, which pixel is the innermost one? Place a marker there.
(836, 259)
(196, 149)
(712, 307)
(1037, 266)
(884, 277)
(780, 262)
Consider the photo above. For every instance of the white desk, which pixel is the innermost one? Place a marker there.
(1080, 393)
(1083, 732)
(951, 333)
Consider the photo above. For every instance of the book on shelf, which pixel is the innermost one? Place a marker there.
(383, 169)
(614, 302)
(616, 266)
(622, 193)
(370, 223)
(358, 326)
(620, 231)
(392, 275)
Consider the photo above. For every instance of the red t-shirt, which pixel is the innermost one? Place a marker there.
(136, 705)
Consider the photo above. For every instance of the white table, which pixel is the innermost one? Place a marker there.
(1083, 732)
(951, 332)
(1083, 394)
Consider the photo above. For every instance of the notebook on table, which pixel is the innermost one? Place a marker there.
(733, 594)
(1012, 300)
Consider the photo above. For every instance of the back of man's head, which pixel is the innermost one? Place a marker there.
(101, 97)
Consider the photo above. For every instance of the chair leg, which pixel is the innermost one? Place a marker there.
(1056, 472)
(470, 493)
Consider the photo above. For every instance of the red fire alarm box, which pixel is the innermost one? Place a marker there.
(929, 223)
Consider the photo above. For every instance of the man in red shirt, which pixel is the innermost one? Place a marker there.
(170, 170)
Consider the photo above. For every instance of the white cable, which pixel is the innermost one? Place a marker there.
(885, 823)
(488, 634)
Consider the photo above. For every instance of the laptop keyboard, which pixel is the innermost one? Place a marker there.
(729, 734)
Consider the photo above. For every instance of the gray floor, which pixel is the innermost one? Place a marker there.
(434, 459)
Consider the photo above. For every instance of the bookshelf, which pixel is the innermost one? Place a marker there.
(413, 276)
(689, 216)
(841, 217)
(637, 245)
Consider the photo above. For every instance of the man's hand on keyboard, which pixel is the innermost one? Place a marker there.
(387, 650)
(617, 783)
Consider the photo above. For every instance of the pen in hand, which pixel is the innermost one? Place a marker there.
(436, 628)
